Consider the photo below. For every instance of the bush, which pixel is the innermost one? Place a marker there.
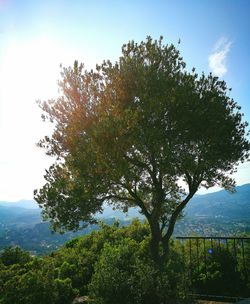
(14, 255)
(126, 276)
(36, 282)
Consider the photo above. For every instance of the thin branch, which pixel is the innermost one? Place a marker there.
(138, 163)
(139, 201)
(120, 198)
(163, 226)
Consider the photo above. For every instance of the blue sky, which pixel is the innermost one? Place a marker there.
(36, 36)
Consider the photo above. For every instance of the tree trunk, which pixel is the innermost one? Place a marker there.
(155, 241)
(155, 249)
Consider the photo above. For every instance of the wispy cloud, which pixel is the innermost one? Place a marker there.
(217, 59)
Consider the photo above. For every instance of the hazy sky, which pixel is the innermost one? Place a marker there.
(36, 36)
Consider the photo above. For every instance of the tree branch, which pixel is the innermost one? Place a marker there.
(138, 200)
(175, 215)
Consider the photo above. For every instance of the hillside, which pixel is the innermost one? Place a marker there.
(210, 214)
(222, 204)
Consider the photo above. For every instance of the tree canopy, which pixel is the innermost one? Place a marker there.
(133, 133)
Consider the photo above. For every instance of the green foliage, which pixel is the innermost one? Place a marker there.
(59, 277)
(64, 292)
(124, 273)
(114, 274)
(113, 265)
(34, 282)
(14, 255)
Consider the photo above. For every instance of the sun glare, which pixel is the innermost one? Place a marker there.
(28, 71)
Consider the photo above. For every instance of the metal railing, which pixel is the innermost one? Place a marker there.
(218, 268)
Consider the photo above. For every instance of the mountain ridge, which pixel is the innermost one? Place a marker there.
(222, 204)
(231, 204)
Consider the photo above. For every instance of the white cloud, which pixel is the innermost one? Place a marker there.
(217, 59)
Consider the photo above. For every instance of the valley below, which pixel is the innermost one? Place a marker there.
(214, 214)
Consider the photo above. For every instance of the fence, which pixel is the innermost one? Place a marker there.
(218, 268)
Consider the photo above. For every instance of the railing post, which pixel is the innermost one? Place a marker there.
(190, 263)
(205, 256)
(197, 254)
(243, 257)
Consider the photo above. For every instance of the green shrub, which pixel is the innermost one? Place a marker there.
(14, 255)
(124, 275)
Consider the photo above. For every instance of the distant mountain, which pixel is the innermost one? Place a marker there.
(216, 204)
(110, 212)
(26, 204)
(19, 216)
(221, 204)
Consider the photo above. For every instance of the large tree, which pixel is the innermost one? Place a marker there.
(141, 132)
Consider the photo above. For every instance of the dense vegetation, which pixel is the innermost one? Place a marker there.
(113, 266)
